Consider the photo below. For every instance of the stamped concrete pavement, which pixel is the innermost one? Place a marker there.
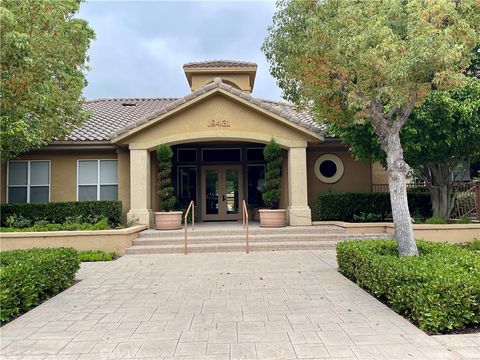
(264, 305)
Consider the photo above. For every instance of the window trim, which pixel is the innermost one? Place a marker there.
(98, 184)
(337, 161)
(28, 185)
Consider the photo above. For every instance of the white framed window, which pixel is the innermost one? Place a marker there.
(97, 180)
(28, 181)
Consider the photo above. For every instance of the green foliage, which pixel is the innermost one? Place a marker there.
(273, 174)
(17, 221)
(345, 59)
(464, 220)
(474, 245)
(43, 66)
(435, 220)
(59, 212)
(95, 255)
(165, 192)
(67, 226)
(443, 130)
(28, 277)
(438, 290)
(360, 207)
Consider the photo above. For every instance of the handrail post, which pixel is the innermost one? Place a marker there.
(245, 224)
(190, 206)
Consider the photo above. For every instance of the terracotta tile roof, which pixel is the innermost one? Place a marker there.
(218, 64)
(111, 114)
(113, 117)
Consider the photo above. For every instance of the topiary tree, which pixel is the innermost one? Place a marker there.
(165, 188)
(273, 176)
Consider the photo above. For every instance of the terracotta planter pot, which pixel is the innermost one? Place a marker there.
(170, 220)
(272, 217)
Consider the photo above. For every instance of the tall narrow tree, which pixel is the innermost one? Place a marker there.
(356, 61)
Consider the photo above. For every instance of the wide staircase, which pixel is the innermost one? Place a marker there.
(227, 237)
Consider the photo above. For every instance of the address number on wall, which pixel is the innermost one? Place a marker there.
(218, 123)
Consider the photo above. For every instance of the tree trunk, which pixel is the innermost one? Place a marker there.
(442, 192)
(440, 182)
(443, 200)
(397, 170)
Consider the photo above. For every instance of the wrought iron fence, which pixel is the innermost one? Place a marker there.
(467, 203)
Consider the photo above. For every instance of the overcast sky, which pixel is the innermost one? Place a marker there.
(140, 46)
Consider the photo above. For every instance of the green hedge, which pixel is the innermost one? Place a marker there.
(438, 290)
(61, 212)
(100, 225)
(28, 277)
(350, 206)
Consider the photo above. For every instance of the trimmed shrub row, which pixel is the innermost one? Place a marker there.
(62, 212)
(360, 207)
(28, 277)
(100, 225)
(438, 290)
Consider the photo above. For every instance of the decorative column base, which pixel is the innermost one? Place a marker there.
(142, 217)
(299, 215)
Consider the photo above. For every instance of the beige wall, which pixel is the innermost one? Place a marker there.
(357, 176)
(451, 233)
(63, 168)
(379, 174)
(106, 240)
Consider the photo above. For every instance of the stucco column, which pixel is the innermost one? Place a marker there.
(140, 206)
(298, 211)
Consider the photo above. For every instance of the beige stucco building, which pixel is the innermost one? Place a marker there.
(217, 132)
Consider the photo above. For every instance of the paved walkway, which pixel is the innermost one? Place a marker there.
(265, 305)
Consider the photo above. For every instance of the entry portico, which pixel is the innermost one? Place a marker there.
(218, 119)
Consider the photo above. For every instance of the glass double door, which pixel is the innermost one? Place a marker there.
(222, 192)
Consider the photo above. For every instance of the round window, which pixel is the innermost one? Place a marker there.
(329, 168)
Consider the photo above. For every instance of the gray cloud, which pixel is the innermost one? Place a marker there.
(142, 45)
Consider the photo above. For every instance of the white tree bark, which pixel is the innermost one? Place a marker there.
(397, 170)
(388, 133)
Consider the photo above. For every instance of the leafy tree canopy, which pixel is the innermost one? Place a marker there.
(445, 129)
(43, 63)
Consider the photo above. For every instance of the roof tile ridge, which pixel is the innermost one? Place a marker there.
(170, 106)
(131, 99)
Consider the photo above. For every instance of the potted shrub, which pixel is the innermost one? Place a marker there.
(166, 219)
(272, 216)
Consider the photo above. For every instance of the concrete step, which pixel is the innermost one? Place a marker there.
(238, 230)
(255, 245)
(230, 247)
(210, 239)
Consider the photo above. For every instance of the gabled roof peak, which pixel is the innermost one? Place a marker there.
(282, 110)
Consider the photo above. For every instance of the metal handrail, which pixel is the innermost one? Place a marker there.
(192, 207)
(245, 224)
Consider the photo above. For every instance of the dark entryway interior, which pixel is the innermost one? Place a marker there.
(217, 176)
